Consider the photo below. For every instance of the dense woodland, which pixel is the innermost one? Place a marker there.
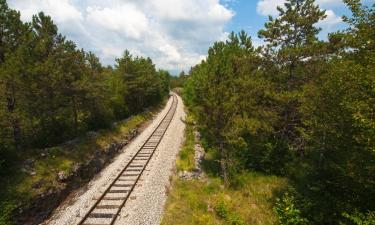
(51, 91)
(297, 107)
(178, 81)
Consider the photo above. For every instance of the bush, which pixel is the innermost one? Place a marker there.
(6, 209)
(221, 209)
(234, 219)
(287, 212)
(358, 218)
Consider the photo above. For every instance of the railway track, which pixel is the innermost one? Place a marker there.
(108, 206)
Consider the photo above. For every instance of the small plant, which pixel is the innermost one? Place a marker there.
(234, 219)
(6, 209)
(358, 218)
(221, 209)
(287, 212)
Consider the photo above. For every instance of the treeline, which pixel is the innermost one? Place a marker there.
(51, 91)
(178, 81)
(298, 107)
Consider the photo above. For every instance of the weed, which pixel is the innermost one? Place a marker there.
(287, 211)
(221, 209)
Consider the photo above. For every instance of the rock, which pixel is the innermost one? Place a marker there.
(43, 154)
(32, 172)
(61, 176)
(29, 162)
(124, 142)
(210, 208)
(114, 124)
(185, 175)
(51, 191)
(199, 153)
(72, 142)
(196, 170)
(134, 133)
(198, 158)
(197, 136)
(92, 134)
(76, 167)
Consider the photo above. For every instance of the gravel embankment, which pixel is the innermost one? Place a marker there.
(146, 202)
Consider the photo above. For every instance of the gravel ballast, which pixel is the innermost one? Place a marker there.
(146, 202)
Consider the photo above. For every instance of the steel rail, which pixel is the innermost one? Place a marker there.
(157, 133)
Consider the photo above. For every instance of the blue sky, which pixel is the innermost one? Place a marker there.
(250, 17)
(175, 34)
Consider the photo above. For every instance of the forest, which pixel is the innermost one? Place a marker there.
(297, 107)
(52, 96)
(52, 92)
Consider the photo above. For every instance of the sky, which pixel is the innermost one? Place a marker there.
(175, 34)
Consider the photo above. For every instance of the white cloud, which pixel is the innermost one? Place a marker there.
(269, 7)
(326, 3)
(126, 19)
(174, 33)
(62, 10)
(330, 23)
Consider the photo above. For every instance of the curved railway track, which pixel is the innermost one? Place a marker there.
(108, 206)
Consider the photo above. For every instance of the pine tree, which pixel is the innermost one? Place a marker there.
(13, 37)
(339, 124)
(292, 36)
(292, 45)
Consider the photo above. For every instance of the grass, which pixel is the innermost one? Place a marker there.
(185, 161)
(19, 188)
(208, 201)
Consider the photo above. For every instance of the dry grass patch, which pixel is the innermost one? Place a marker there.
(208, 202)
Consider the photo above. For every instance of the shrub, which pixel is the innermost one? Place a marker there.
(287, 212)
(221, 209)
(6, 209)
(358, 218)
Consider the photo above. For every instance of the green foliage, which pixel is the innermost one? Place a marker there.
(297, 106)
(287, 211)
(143, 84)
(52, 92)
(179, 81)
(6, 209)
(208, 201)
(19, 188)
(221, 209)
(185, 162)
(360, 218)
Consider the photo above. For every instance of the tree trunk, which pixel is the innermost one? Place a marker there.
(11, 103)
(75, 115)
(223, 162)
(291, 75)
